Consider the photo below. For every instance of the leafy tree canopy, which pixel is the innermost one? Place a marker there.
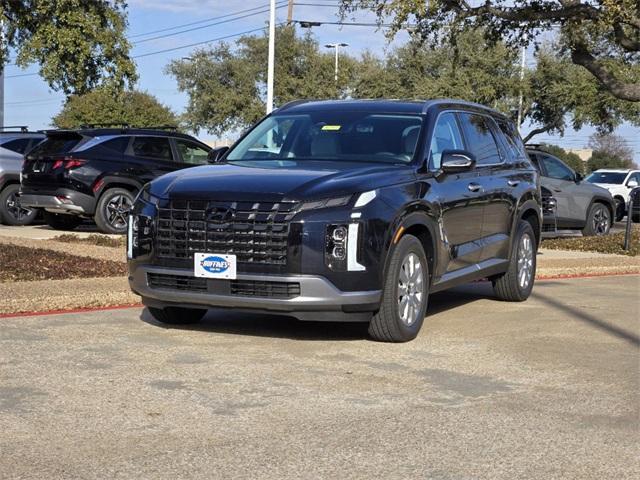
(611, 144)
(603, 36)
(78, 44)
(103, 106)
(227, 85)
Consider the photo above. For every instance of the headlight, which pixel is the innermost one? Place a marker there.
(341, 248)
(325, 203)
(139, 235)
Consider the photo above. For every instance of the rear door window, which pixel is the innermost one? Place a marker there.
(19, 145)
(480, 139)
(152, 147)
(191, 152)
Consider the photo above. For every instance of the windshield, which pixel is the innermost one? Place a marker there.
(607, 177)
(342, 136)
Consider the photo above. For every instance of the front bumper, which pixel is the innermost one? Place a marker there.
(318, 299)
(60, 201)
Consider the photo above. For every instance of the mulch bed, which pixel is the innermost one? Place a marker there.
(93, 239)
(23, 264)
(609, 244)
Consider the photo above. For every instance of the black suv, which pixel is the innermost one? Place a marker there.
(343, 210)
(97, 172)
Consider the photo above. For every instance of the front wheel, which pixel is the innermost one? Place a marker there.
(177, 315)
(11, 212)
(516, 283)
(598, 221)
(404, 295)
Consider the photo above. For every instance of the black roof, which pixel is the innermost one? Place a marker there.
(419, 107)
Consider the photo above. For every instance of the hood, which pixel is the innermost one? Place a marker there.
(270, 181)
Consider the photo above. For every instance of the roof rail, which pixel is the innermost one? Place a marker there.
(126, 126)
(104, 125)
(293, 103)
(21, 128)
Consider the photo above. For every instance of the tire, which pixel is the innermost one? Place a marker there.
(11, 212)
(620, 209)
(388, 324)
(177, 315)
(598, 221)
(516, 283)
(60, 221)
(112, 210)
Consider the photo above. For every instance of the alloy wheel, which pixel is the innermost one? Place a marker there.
(15, 209)
(601, 221)
(118, 211)
(411, 291)
(525, 261)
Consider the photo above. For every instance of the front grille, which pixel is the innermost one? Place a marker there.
(254, 288)
(256, 232)
(177, 282)
(240, 288)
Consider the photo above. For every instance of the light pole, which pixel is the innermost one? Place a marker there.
(272, 54)
(336, 46)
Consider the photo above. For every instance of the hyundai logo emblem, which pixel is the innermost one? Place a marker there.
(220, 214)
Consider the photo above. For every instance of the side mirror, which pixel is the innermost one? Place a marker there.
(454, 161)
(578, 178)
(216, 154)
(633, 183)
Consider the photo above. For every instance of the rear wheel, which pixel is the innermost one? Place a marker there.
(598, 221)
(177, 315)
(11, 212)
(405, 294)
(516, 283)
(113, 209)
(60, 221)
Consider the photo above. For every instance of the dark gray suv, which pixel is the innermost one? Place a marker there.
(14, 143)
(579, 205)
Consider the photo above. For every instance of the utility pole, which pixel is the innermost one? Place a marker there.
(520, 100)
(336, 46)
(290, 12)
(1, 76)
(272, 54)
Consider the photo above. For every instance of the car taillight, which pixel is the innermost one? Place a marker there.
(68, 163)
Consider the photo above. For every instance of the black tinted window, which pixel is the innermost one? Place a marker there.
(152, 147)
(117, 144)
(556, 169)
(514, 142)
(479, 139)
(446, 136)
(56, 145)
(18, 146)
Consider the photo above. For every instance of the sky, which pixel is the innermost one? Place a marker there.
(29, 101)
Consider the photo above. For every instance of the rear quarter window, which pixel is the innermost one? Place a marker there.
(18, 145)
(55, 146)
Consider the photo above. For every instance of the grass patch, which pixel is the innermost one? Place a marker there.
(93, 239)
(23, 264)
(613, 243)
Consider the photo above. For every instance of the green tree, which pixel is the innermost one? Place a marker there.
(570, 158)
(78, 44)
(601, 159)
(561, 93)
(613, 145)
(102, 106)
(603, 36)
(227, 84)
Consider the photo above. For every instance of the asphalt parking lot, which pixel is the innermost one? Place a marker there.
(544, 389)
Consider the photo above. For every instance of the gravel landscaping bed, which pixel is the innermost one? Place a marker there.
(610, 244)
(93, 239)
(20, 263)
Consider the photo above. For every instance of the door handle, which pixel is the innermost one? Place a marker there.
(513, 183)
(474, 187)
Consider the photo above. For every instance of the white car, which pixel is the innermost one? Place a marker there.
(619, 182)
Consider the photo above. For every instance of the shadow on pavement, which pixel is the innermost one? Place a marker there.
(589, 319)
(277, 326)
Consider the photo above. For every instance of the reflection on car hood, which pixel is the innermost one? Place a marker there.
(267, 181)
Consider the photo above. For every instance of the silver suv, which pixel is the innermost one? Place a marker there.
(15, 142)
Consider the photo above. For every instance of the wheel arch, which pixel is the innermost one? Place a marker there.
(106, 183)
(607, 203)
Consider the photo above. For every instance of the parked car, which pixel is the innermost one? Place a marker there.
(14, 142)
(97, 172)
(580, 205)
(619, 183)
(635, 212)
(343, 211)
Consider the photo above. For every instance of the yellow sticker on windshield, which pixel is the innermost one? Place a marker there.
(331, 127)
